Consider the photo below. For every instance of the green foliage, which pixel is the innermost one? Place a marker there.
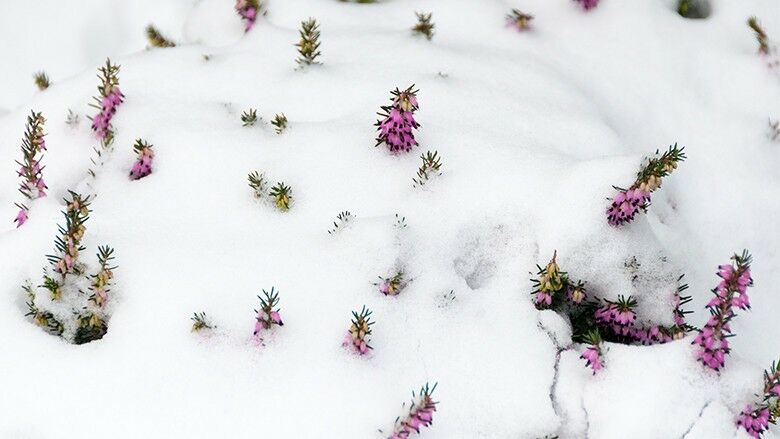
(249, 117)
(424, 25)
(282, 196)
(201, 322)
(309, 44)
(431, 165)
(519, 19)
(761, 37)
(279, 122)
(41, 80)
(156, 38)
(257, 183)
(341, 221)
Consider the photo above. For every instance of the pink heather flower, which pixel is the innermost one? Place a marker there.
(588, 4)
(625, 206)
(21, 217)
(109, 99)
(395, 129)
(618, 316)
(754, 421)
(267, 316)
(359, 331)
(542, 298)
(30, 170)
(247, 10)
(143, 164)
(420, 414)
(592, 356)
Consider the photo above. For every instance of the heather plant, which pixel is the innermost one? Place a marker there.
(41, 80)
(309, 44)
(519, 19)
(249, 10)
(108, 100)
(730, 294)
(143, 163)
(249, 117)
(588, 4)
(201, 322)
(424, 25)
(61, 304)
(280, 123)
(395, 127)
(629, 201)
(357, 337)
(755, 418)
(257, 183)
(418, 415)
(761, 37)
(342, 220)
(268, 314)
(30, 170)
(282, 196)
(592, 353)
(392, 286)
(431, 166)
(156, 38)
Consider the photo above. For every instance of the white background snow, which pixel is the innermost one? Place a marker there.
(534, 129)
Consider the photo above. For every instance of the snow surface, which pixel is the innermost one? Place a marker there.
(533, 128)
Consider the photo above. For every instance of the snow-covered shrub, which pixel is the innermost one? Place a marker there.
(30, 170)
(267, 316)
(41, 80)
(280, 123)
(156, 38)
(424, 25)
(61, 303)
(519, 19)
(395, 127)
(248, 10)
(309, 44)
(629, 201)
(143, 163)
(730, 294)
(431, 166)
(249, 117)
(201, 322)
(418, 415)
(755, 419)
(588, 4)
(108, 100)
(761, 37)
(357, 337)
(392, 286)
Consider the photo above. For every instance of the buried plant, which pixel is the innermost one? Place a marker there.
(30, 170)
(395, 127)
(109, 98)
(357, 337)
(60, 304)
(418, 415)
(143, 163)
(268, 314)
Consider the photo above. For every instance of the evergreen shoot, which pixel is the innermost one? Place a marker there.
(249, 117)
(282, 196)
(41, 80)
(431, 166)
(156, 38)
(279, 122)
(424, 25)
(309, 44)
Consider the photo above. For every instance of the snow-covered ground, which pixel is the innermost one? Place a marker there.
(533, 128)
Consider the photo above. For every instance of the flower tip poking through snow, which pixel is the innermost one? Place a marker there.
(282, 196)
(309, 44)
(424, 25)
(41, 80)
(21, 217)
(392, 286)
(108, 100)
(588, 4)
(359, 331)
(755, 420)
(30, 170)
(248, 10)
(143, 163)
(730, 293)
(395, 127)
(200, 322)
(420, 414)
(592, 354)
(267, 316)
(519, 20)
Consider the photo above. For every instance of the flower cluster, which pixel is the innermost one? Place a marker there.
(392, 286)
(41, 80)
(395, 128)
(267, 316)
(730, 293)
(248, 10)
(143, 163)
(431, 165)
(424, 25)
(420, 414)
(618, 317)
(309, 44)
(108, 99)
(552, 287)
(156, 38)
(357, 335)
(756, 419)
(30, 170)
(588, 4)
(629, 201)
(519, 19)
(68, 245)
(592, 354)
(761, 37)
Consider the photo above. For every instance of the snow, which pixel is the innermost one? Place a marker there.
(533, 128)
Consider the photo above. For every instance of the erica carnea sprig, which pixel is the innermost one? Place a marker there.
(41, 80)
(431, 166)
(248, 10)
(618, 317)
(342, 219)
(249, 117)
(730, 294)
(519, 19)
(357, 337)
(592, 353)
(268, 314)
(761, 37)
(30, 170)
(424, 25)
(553, 288)
(588, 4)
(69, 302)
(107, 101)
(755, 419)
(629, 201)
(143, 163)
(309, 44)
(392, 286)
(101, 281)
(200, 322)
(282, 196)
(280, 123)
(257, 183)
(156, 38)
(419, 414)
(395, 127)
